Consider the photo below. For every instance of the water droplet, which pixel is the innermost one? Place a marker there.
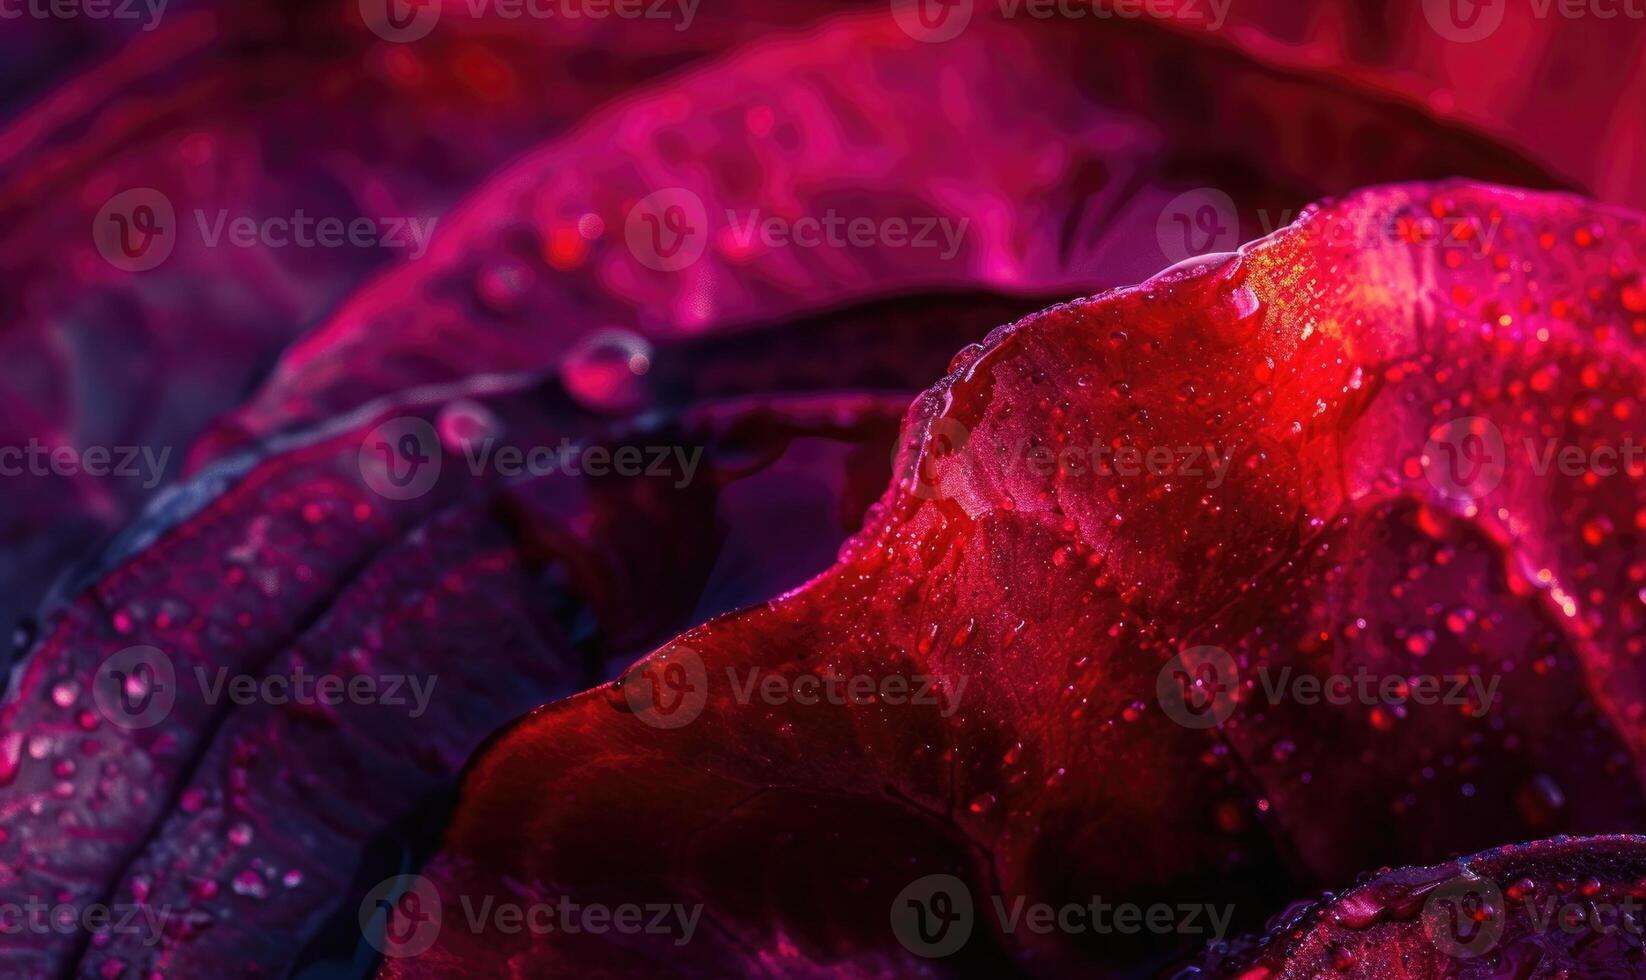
(22, 635)
(464, 424)
(502, 286)
(250, 884)
(1343, 959)
(10, 756)
(604, 371)
(1521, 889)
(1596, 530)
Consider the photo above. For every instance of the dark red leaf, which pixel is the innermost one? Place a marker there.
(234, 113)
(1560, 88)
(1565, 907)
(1094, 152)
(1053, 763)
(237, 823)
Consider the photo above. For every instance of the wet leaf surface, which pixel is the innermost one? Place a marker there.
(1053, 603)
